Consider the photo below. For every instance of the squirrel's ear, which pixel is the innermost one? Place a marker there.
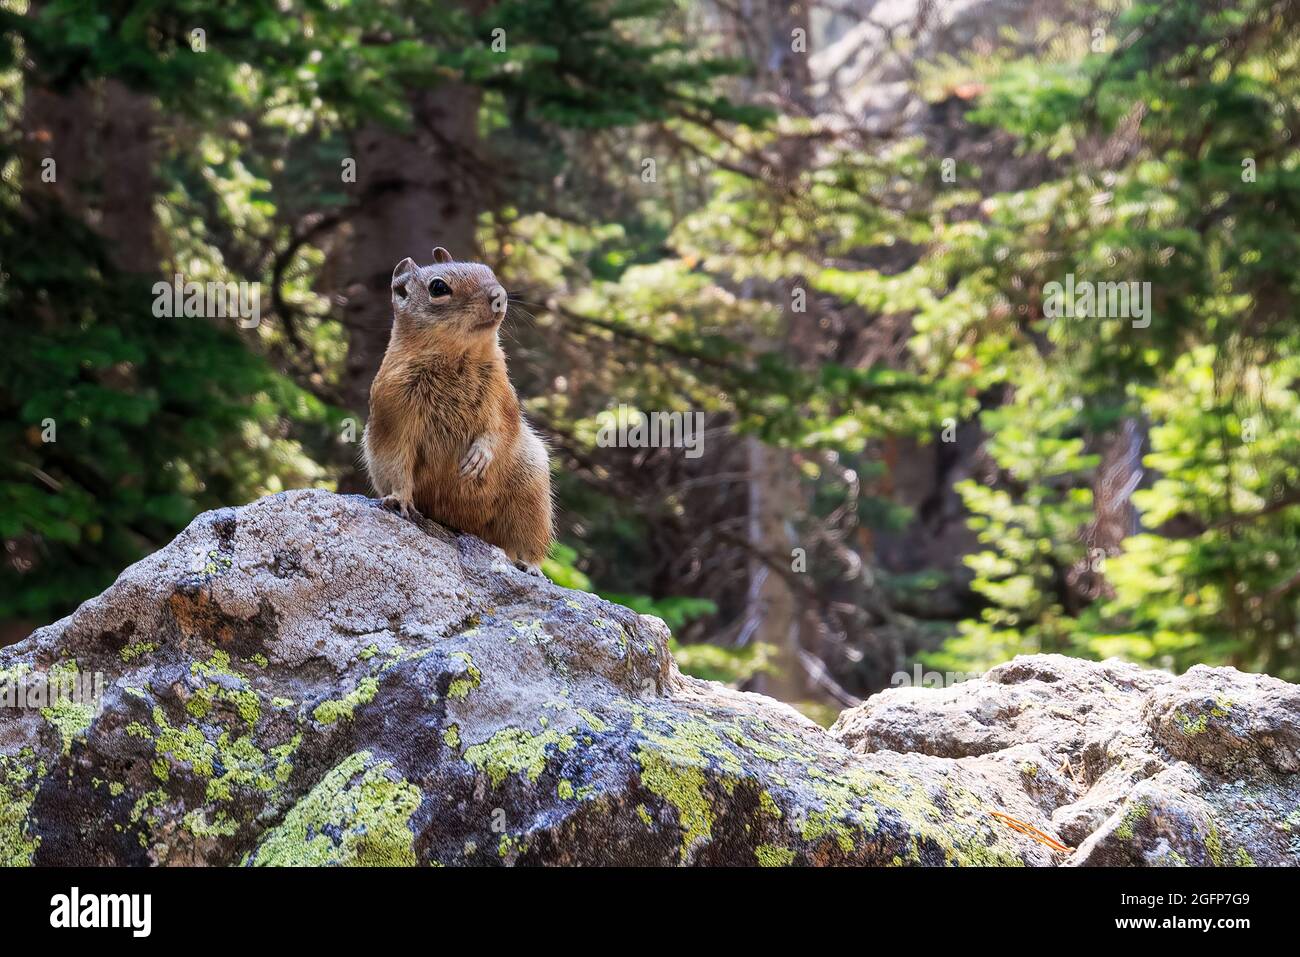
(441, 255)
(402, 273)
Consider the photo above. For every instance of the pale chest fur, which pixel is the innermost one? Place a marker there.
(428, 409)
(452, 398)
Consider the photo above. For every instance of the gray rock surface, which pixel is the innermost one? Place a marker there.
(1128, 766)
(311, 680)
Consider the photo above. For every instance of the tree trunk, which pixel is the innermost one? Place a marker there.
(775, 494)
(772, 611)
(102, 142)
(128, 149)
(1115, 517)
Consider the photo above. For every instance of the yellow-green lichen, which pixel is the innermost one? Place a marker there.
(968, 835)
(764, 751)
(136, 650)
(855, 800)
(845, 811)
(693, 742)
(146, 802)
(1134, 816)
(217, 664)
(1214, 844)
(14, 673)
(823, 823)
(565, 789)
(71, 718)
(394, 655)
(451, 736)
(196, 822)
(216, 562)
(515, 751)
(683, 786)
(462, 686)
(769, 855)
(509, 846)
(768, 805)
(644, 814)
(218, 675)
(1190, 726)
(679, 764)
(20, 778)
(184, 745)
(358, 815)
(244, 765)
(328, 712)
(1200, 724)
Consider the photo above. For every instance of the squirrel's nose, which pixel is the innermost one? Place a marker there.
(497, 299)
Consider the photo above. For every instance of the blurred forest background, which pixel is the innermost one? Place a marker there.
(826, 225)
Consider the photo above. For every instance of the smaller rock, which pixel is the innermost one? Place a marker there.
(1220, 718)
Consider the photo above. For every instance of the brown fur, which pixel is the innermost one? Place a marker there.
(445, 436)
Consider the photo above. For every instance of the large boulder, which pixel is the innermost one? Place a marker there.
(312, 680)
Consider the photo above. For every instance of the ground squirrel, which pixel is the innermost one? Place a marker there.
(445, 436)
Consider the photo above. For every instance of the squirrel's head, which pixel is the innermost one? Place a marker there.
(463, 300)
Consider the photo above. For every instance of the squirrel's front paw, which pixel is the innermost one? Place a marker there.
(477, 459)
(396, 503)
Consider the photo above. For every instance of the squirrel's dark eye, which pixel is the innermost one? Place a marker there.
(438, 287)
